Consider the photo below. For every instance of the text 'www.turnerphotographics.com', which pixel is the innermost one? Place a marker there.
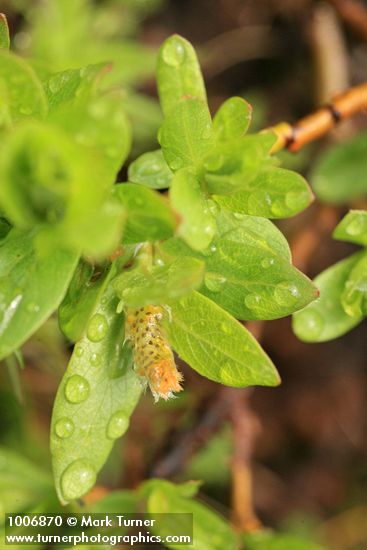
(97, 529)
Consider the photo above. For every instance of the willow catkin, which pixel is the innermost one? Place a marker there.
(153, 357)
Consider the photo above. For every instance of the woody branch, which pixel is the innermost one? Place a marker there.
(312, 127)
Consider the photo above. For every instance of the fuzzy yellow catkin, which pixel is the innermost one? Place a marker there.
(153, 357)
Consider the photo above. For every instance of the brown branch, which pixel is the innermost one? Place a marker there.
(194, 439)
(354, 14)
(244, 428)
(312, 127)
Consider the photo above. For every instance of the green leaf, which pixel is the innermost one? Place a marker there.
(137, 288)
(32, 287)
(339, 174)
(149, 217)
(233, 165)
(274, 193)
(20, 87)
(51, 181)
(84, 292)
(354, 295)
(5, 227)
(4, 33)
(22, 483)
(326, 319)
(47, 178)
(232, 119)
(151, 170)
(74, 85)
(249, 271)
(103, 235)
(197, 225)
(186, 135)
(95, 399)
(210, 530)
(213, 343)
(178, 73)
(353, 228)
(99, 125)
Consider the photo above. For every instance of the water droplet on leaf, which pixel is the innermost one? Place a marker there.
(214, 281)
(117, 425)
(78, 350)
(76, 389)
(33, 307)
(258, 201)
(97, 328)
(278, 208)
(355, 227)
(95, 359)
(267, 262)
(174, 51)
(214, 162)
(64, 428)
(55, 83)
(286, 293)
(176, 163)
(252, 301)
(77, 479)
(294, 200)
(226, 328)
(206, 134)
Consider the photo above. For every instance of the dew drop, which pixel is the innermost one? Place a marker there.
(26, 110)
(206, 134)
(117, 425)
(210, 250)
(225, 328)
(97, 328)
(278, 208)
(78, 350)
(354, 228)
(267, 262)
(225, 374)
(174, 51)
(214, 163)
(76, 389)
(32, 307)
(77, 479)
(239, 216)
(286, 293)
(95, 359)
(213, 207)
(64, 428)
(55, 83)
(258, 200)
(294, 200)
(214, 282)
(309, 323)
(252, 301)
(176, 163)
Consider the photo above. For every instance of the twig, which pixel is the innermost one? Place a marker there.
(194, 439)
(236, 46)
(354, 14)
(329, 53)
(244, 517)
(295, 136)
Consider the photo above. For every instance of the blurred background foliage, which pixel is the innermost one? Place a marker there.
(308, 451)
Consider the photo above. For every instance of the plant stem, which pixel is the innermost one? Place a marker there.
(295, 136)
